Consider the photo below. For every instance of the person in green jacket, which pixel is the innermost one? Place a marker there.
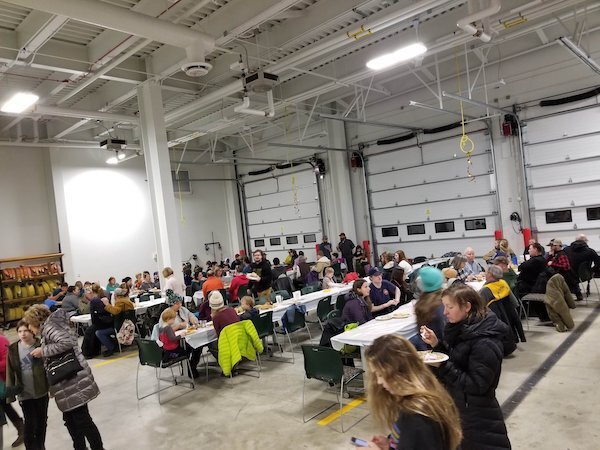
(27, 375)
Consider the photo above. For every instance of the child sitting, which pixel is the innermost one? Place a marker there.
(247, 304)
(328, 281)
(166, 334)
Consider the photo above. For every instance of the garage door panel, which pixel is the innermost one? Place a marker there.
(565, 196)
(436, 211)
(452, 189)
(565, 173)
(578, 216)
(416, 176)
(301, 195)
(481, 245)
(430, 233)
(284, 213)
(559, 151)
(396, 160)
(298, 226)
(563, 125)
(446, 149)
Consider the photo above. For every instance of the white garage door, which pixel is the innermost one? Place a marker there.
(562, 160)
(424, 202)
(284, 213)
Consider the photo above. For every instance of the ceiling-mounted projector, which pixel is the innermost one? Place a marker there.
(196, 68)
(113, 144)
(260, 81)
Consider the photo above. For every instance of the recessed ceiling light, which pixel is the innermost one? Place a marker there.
(112, 160)
(121, 155)
(19, 102)
(400, 55)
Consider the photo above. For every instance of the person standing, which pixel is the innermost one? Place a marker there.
(27, 374)
(172, 282)
(72, 395)
(325, 247)
(346, 248)
(473, 342)
(8, 408)
(262, 269)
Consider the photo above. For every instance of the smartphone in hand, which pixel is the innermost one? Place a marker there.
(359, 442)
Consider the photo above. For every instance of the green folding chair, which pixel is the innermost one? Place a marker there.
(151, 355)
(323, 309)
(325, 364)
(264, 327)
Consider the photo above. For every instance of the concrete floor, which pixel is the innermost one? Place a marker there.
(249, 413)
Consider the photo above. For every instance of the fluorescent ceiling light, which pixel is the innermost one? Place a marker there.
(19, 102)
(400, 55)
(579, 53)
(112, 160)
(121, 155)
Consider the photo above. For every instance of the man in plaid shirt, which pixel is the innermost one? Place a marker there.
(558, 260)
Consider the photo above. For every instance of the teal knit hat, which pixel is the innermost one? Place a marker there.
(432, 279)
(172, 297)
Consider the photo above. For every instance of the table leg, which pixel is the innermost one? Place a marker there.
(365, 367)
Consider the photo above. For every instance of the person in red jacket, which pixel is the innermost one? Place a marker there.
(240, 279)
(10, 412)
(166, 334)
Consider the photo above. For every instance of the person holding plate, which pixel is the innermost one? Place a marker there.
(473, 342)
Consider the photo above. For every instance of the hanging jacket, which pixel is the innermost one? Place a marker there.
(471, 376)
(236, 341)
(559, 300)
(497, 297)
(56, 339)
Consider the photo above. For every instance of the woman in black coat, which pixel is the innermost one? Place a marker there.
(473, 342)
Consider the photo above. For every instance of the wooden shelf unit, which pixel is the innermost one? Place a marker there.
(13, 308)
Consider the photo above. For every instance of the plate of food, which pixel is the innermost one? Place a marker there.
(252, 276)
(400, 315)
(386, 317)
(430, 357)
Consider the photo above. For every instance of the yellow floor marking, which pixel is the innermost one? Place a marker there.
(112, 360)
(331, 417)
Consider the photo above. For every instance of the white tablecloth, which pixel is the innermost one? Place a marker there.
(309, 301)
(477, 285)
(139, 309)
(82, 318)
(365, 334)
(200, 336)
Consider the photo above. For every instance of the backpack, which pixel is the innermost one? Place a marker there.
(126, 333)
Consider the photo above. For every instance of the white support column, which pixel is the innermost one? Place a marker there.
(339, 204)
(234, 219)
(158, 169)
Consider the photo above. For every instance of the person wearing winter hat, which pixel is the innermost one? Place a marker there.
(429, 308)
(221, 315)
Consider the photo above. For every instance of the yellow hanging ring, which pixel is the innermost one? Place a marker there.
(466, 144)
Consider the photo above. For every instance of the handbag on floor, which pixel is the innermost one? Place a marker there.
(62, 367)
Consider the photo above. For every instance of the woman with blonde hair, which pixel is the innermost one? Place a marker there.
(406, 398)
(172, 282)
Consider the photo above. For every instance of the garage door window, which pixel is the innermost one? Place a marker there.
(289, 240)
(559, 216)
(275, 241)
(444, 227)
(475, 224)
(259, 243)
(389, 231)
(308, 238)
(593, 213)
(416, 229)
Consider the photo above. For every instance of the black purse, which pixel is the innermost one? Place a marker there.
(62, 367)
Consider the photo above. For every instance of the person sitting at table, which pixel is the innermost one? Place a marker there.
(221, 315)
(406, 399)
(399, 280)
(301, 270)
(509, 274)
(459, 263)
(247, 304)
(171, 343)
(147, 282)
(472, 267)
(357, 308)
(290, 258)
(388, 264)
(496, 295)
(197, 282)
(183, 319)
(71, 301)
(384, 295)
(238, 280)
(322, 262)
(102, 322)
(112, 285)
(530, 270)
(59, 293)
(277, 268)
(213, 282)
(128, 283)
(328, 281)
(84, 302)
(122, 303)
(501, 248)
(429, 310)
(138, 281)
(401, 261)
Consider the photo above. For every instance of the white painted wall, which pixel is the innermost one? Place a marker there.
(28, 216)
(104, 215)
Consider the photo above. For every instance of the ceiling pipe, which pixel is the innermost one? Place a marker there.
(337, 40)
(196, 43)
(467, 24)
(244, 108)
(81, 114)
